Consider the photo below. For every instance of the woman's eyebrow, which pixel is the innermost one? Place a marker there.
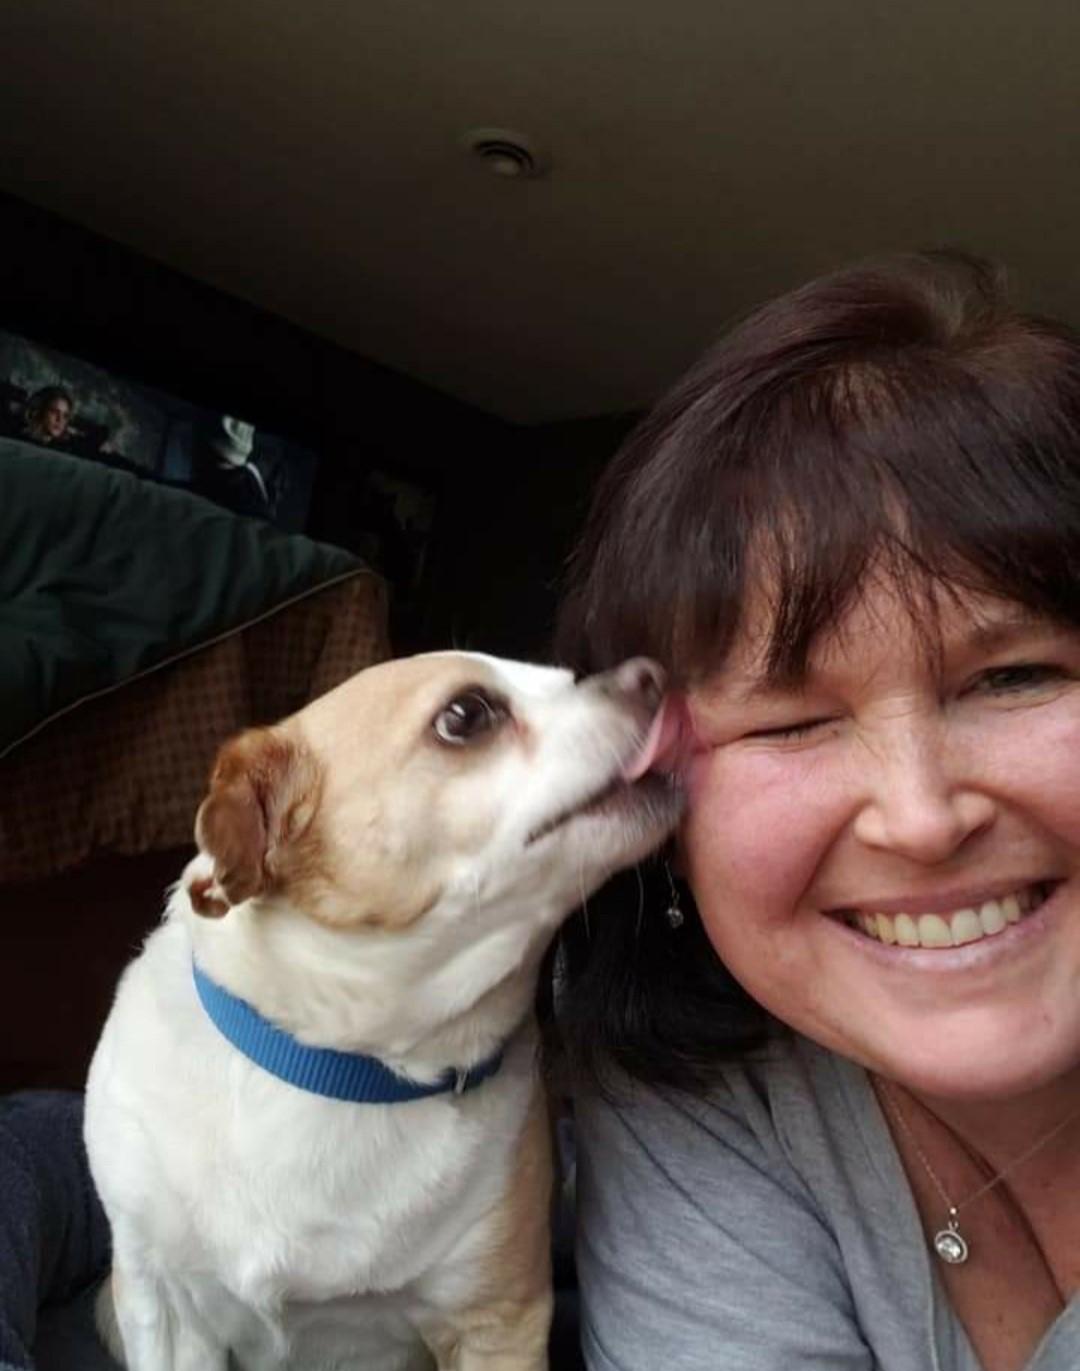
(993, 631)
(988, 630)
(754, 687)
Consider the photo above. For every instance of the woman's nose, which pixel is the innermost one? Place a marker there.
(916, 808)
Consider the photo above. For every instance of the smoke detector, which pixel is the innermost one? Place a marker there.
(505, 153)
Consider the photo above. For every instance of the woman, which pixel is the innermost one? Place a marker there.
(852, 534)
(48, 416)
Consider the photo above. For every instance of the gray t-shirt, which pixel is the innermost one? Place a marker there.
(766, 1227)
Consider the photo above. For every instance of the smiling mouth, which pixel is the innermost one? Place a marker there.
(951, 928)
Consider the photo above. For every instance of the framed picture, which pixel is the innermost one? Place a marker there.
(61, 403)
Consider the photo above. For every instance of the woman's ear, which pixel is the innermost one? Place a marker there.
(263, 795)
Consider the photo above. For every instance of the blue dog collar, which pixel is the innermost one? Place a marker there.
(322, 1070)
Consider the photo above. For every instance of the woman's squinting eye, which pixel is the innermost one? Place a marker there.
(789, 731)
(468, 716)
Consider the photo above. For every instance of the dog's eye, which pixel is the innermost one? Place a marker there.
(468, 716)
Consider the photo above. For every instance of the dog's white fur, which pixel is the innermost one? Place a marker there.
(398, 904)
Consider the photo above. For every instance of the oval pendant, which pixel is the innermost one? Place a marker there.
(950, 1246)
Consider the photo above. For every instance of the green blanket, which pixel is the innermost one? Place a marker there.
(104, 575)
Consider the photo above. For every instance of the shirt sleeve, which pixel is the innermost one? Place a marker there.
(699, 1247)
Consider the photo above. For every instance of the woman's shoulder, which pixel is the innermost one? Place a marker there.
(793, 1109)
(767, 1191)
(787, 1077)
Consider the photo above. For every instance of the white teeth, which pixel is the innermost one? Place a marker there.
(907, 934)
(934, 931)
(967, 928)
(954, 929)
(992, 915)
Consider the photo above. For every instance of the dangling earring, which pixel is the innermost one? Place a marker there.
(674, 912)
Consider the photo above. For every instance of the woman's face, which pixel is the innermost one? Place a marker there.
(888, 858)
(51, 423)
(55, 418)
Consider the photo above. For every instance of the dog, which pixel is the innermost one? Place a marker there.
(314, 1114)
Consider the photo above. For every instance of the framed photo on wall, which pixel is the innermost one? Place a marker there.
(55, 402)
(60, 403)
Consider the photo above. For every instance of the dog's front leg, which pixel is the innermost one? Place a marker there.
(510, 1339)
(144, 1327)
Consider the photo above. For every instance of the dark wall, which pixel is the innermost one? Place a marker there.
(514, 519)
(510, 498)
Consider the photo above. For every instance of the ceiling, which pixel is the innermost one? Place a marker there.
(305, 156)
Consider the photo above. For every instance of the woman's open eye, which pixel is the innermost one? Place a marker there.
(1016, 676)
(468, 716)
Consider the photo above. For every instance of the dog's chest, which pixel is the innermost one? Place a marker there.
(333, 1201)
(288, 1220)
(282, 1194)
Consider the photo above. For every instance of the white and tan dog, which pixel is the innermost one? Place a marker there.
(377, 881)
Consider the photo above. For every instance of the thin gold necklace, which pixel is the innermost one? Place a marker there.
(948, 1242)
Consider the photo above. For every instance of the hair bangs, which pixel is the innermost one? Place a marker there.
(938, 484)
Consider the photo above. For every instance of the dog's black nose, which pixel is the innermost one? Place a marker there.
(640, 678)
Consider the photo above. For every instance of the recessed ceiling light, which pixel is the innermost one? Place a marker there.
(505, 153)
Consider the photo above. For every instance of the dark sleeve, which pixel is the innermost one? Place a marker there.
(699, 1249)
(53, 1233)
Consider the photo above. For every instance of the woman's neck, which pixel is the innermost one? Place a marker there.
(1001, 1131)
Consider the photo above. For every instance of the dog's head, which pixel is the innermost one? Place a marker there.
(447, 780)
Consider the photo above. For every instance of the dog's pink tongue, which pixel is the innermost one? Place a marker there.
(659, 752)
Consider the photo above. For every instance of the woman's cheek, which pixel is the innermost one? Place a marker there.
(756, 826)
(1031, 758)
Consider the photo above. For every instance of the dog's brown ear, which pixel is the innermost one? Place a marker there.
(263, 795)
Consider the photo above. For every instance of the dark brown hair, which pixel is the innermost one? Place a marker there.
(898, 413)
